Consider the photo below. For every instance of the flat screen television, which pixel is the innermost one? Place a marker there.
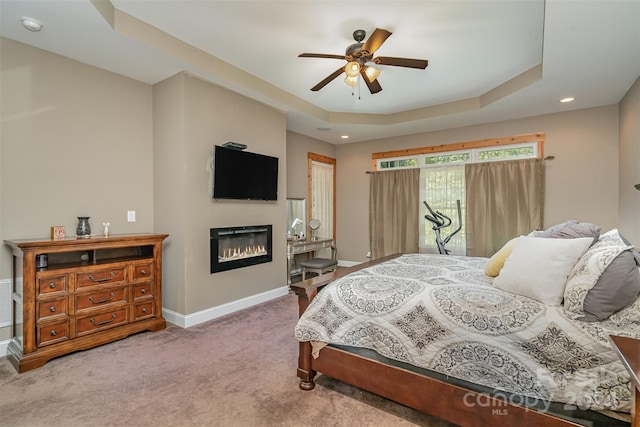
(243, 175)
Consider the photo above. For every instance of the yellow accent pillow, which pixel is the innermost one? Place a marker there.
(496, 262)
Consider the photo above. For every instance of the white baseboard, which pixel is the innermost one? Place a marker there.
(5, 303)
(4, 346)
(342, 263)
(186, 321)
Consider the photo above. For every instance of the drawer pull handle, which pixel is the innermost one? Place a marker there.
(104, 279)
(143, 291)
(52, 285)
(143, 272)
(102, 301)
(104, 322)
(52, 309)
(54, 333)
(144, 310)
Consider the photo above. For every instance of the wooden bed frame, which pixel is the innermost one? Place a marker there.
(434, 397)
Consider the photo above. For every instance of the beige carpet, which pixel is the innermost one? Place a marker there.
(207, 375)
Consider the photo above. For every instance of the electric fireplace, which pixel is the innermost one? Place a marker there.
(237, 247)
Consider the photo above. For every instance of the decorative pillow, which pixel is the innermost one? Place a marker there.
(572, 229)
(538, 268)
(496, 262)
(591, 294)
(617, 287)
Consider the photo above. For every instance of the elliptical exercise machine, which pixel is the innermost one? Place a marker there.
(440, 221)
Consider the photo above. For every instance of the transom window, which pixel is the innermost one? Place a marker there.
(525, 150)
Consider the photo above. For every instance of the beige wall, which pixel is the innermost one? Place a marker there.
(298, 146)
(169, 182)
(629, 172)
(75, 140)
(190, 117)
(582, 181)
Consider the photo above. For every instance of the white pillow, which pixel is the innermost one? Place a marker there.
(538, 268)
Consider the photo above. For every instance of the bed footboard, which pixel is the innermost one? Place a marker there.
(306, 291)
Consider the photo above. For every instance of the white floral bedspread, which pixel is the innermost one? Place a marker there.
(442, 313)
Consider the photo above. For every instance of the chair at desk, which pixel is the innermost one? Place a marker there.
(320, 265)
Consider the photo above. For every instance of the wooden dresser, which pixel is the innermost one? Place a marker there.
(92, 291)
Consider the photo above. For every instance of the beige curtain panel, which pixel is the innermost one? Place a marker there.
(394, 212)
(504, 200)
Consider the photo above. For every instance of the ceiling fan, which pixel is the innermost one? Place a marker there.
(358, 55)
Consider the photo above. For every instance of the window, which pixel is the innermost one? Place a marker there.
(440, 187)
(403, 163)
(520, 151)
(442, 178)
(439, 159)
(477, 155)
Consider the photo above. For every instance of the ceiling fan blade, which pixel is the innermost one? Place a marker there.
(374, 41)
(374, 86)
(321, 55)
(401, 62)
(330, 77)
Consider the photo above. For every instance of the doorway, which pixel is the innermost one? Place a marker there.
(321, 203)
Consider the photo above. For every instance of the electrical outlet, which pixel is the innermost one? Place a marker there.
(368, 254)
(131, 216)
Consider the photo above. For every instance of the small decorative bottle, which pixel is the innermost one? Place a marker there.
(83, 229)
(106, 228)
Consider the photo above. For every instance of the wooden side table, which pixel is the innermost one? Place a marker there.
(628, 350)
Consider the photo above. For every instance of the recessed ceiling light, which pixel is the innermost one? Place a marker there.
(567, 99)
(344, 136)
(31, 24)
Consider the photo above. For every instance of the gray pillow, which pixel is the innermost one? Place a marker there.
(572, 229)
(617, 287)
(636, 255)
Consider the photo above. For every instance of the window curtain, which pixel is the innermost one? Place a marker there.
(322, 197)
(504, 200)
(393, 212)
(441, 186)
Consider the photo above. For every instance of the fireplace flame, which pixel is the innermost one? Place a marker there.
(233, 254)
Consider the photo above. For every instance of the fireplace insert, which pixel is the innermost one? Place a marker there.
(237, 247)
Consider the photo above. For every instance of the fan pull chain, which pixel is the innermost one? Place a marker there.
(353, 89)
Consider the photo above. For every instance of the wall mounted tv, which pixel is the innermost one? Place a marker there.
(242, 175)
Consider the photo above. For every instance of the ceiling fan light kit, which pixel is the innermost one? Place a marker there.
(352, 69)
(358, 55)
(351, 81)
(372, 72)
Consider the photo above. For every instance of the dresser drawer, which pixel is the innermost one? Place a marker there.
(142, 290)
(52, 308)
(142, 272)
(89, 300)
(98, 322)
(143, 311)
(52, 333)
(49, 285)
(101, 277)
